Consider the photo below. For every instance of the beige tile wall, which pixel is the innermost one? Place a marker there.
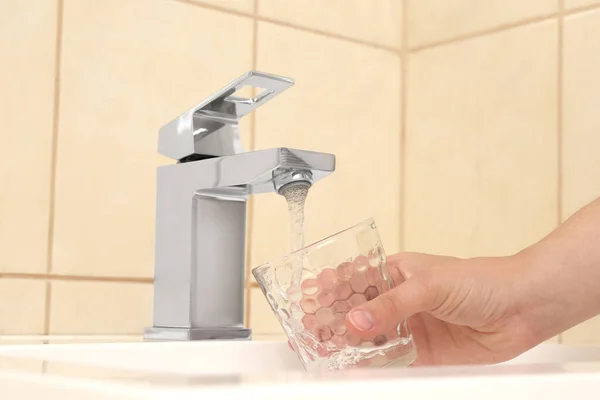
(463, 127)
(27, 50)
(471, 132)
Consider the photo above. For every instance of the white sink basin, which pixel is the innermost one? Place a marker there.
(206, 357)
(226, 357)
(174, 370)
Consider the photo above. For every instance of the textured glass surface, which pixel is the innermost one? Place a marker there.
(311, 290)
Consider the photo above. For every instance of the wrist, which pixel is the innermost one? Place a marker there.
(529, 302)
(536, 304)
(556, 293)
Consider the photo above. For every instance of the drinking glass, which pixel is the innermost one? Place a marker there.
(311, 291)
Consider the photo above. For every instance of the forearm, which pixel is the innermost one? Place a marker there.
(562, 284)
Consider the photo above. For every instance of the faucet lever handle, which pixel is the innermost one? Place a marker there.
(193, 132)
(225, 105)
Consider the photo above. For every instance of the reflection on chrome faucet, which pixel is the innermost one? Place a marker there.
(201, 211)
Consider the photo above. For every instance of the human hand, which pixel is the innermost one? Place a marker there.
(460, 311)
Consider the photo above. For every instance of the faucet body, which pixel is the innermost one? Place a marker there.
(200, 239)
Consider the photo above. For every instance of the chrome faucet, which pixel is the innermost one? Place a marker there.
(200, 234)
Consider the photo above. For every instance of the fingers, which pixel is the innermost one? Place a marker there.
(383, 314)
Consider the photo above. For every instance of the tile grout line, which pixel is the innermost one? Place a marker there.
(577, 10)
(250, 207)
(274, 21)
(483, 32)
(459, 38)
(328, 34)
(559, 117)
(53, 161)
(54, 145)
(505, 27)
(403, 102)
(214, 7)
(74, 278)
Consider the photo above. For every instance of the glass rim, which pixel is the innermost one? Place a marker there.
(363, 223)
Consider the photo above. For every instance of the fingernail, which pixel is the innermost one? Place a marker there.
(361, 319)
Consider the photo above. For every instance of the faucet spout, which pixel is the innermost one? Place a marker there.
(255, 172)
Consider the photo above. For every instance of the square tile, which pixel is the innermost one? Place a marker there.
(262, 318)
(126, 73)
(587, 333)
(581, 122)
(22, 306)
(100, 308)
(346, 101)
(432, 21)
(481, 146)
(27, 56)
(570, 4)
(246, 6)
(372, 21)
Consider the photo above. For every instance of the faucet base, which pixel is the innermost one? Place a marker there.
(188, 334)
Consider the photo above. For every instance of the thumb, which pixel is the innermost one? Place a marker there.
(383, 314)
